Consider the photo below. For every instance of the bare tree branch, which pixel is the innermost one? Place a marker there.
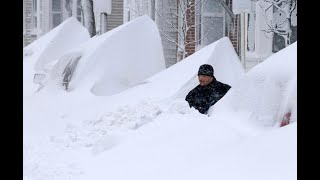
(280, 26)
(186, 18)
(294, 7)
(171, 39)
(201, 38)
(175, 28)
(131, 9)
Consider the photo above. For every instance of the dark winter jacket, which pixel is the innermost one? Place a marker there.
(202, 97)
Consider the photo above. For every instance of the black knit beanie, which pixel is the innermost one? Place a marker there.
(206, 69)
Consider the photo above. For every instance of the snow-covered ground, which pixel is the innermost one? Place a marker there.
(143, 128)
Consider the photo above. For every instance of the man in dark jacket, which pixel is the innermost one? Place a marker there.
(208, 92)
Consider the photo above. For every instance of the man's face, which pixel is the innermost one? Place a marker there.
(204, 80)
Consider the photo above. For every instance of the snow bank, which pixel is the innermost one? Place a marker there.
(40, 55)
(52, 45)
(177, 80)
(167, 85)
(271, 155)
(194, 146)
(116, 60)
(265, 93)
(77, 135)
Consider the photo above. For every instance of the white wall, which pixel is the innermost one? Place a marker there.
(263, 42)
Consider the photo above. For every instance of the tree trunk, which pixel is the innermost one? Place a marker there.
(68, 4)
(89, 21)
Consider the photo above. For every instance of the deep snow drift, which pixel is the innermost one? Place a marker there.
(52, 45)
(114, 61)
(149, 132)
(41, 55)
(176, 81)
(265, 94)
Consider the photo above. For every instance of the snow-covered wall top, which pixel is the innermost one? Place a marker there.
(266, 93)
(118, 59)
(52, 45)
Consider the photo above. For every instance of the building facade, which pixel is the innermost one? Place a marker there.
(267, 27)
(160, 12)
(257, 29)
(41, 16)
(207, 21)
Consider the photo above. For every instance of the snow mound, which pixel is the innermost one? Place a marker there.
(265, 94)
(41, 55)
(116, 60)
(176, 81)
(77, 135)
(270, 155)
(52, 45)
(91, 132)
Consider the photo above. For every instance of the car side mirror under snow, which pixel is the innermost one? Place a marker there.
(38, 78)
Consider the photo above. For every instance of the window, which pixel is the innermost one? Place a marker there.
(56, 12)
(69, 70)
(212, 22)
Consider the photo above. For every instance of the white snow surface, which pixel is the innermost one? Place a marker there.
(114, 61)
(147, 131)
(52, 45)
(265, 94)
(42, 54)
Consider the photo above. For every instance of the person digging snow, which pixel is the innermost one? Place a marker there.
(208, 92)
